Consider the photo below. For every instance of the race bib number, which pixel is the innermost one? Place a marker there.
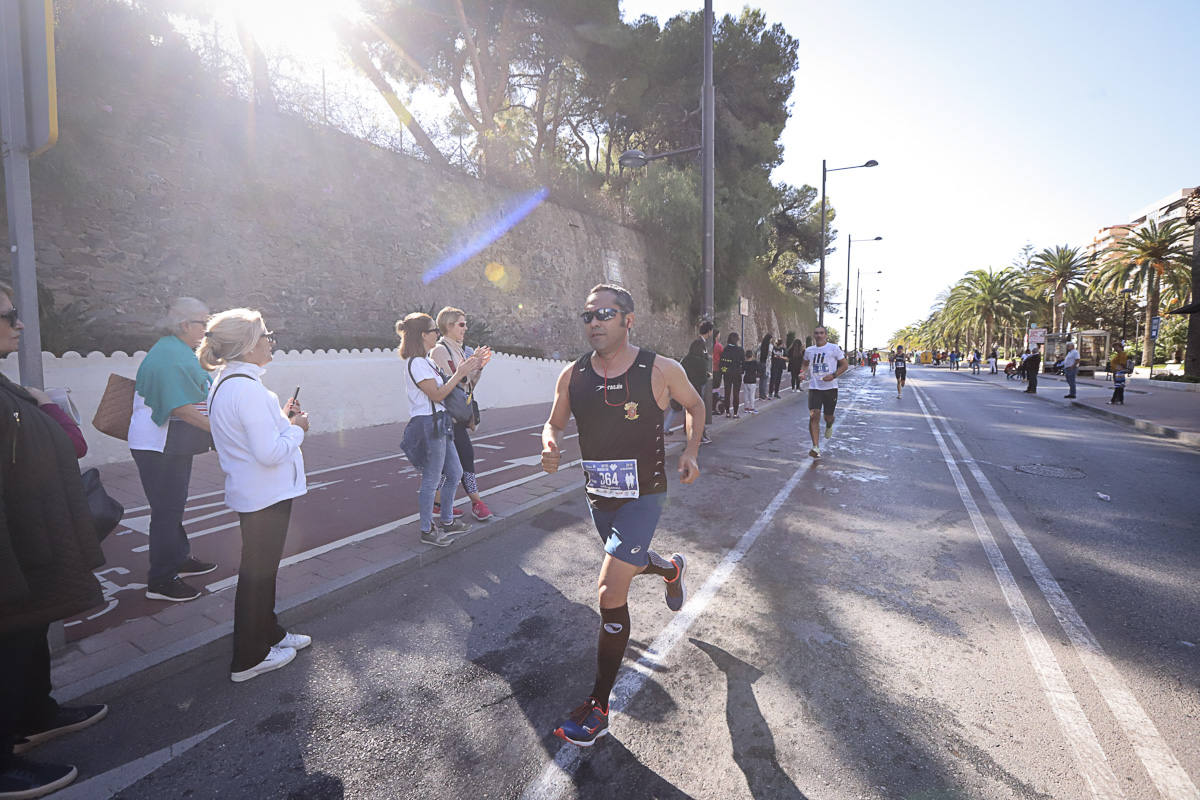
(612, 478)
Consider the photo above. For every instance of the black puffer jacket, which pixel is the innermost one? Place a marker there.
(48, 547)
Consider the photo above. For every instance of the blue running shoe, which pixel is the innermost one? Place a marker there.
(676, 589)
(585, 725)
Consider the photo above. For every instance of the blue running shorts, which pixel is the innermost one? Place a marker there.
(627, 531)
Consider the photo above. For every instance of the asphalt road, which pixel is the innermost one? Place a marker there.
(878, 624)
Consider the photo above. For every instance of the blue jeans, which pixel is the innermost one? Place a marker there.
(1071, 372)
(442, 460)
(165, 480)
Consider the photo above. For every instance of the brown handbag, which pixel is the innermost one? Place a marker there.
(116, 407)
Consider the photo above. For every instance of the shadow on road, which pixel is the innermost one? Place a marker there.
(753, 745)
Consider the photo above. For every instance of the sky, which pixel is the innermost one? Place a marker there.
(994, 124)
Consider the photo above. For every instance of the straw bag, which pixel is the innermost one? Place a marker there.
(116, 407)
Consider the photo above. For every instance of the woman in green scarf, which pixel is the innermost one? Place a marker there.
(168, 427)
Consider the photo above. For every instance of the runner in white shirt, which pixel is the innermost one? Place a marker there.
(823, 363)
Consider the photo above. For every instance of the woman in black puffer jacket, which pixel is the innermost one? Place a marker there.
(48, 549)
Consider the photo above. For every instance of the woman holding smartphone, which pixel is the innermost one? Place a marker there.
(258, 446)
(427, 388)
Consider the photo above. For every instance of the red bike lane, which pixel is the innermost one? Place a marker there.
(358, 482)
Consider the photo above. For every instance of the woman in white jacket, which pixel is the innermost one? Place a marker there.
(258, 445)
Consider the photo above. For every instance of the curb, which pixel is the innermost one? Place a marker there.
(210, 643)
(1186, 437)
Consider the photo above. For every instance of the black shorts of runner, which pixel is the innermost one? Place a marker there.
(822, 398)
(900, 374)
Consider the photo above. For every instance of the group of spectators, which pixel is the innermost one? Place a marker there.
(756, 372)
(199, 387)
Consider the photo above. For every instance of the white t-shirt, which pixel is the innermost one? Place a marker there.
(822, 361)
(1071, 359)
(143, 433)
(419, 404)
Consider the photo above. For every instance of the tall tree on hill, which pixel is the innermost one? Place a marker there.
(1154, 255)
(1053, 272)
(513, 67)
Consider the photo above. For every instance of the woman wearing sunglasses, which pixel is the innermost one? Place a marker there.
(427, 388)
(450, 351)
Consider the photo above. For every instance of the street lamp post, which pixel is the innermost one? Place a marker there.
(1124, 317)
(846, 310)
(859, 324)
(825, 171)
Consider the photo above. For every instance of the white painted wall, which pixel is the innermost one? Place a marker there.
(339, 389)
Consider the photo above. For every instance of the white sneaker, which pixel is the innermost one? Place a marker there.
(276, 657)
(296, 641)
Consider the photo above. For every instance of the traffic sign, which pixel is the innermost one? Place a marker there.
(744, 306)
(1037, 335)
(1154, 323)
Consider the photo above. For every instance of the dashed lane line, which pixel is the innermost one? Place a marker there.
(556, 778)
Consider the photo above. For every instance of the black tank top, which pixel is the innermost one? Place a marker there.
(628, 425)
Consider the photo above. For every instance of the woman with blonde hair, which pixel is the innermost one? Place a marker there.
(167, 429)
(450, 351)
(429, 422)
(258, 445)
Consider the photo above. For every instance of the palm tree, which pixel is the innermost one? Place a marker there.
(986, 296)
(1149, 256)
(1055, 271)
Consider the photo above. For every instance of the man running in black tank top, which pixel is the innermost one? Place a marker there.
(618, 394)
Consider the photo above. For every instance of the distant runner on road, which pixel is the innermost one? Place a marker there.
(618, 393)
(823, 362)
(900, 368)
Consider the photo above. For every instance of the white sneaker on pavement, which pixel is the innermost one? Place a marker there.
(276, 657)
(296, 641)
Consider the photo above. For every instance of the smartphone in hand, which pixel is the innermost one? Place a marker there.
(295, 395)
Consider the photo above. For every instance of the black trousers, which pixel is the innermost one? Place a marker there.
(776, 378)
(733, 391)
(794, 371)
(25, 701)
(1031, 376)
(165, 481)
(255, 627)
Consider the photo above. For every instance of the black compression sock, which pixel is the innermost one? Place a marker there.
(661, 566)
(614, 635)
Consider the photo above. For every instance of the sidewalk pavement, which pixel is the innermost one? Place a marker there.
(191, 632)
(1161, 412)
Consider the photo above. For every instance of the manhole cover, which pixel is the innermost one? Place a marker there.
(1051, 471)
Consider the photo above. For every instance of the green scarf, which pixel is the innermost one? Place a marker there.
(170, 377)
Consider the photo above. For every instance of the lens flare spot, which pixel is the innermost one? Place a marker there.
(494, 272)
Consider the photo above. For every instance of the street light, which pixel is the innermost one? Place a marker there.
(861, 323)
(846, 310)
(824, 172)
(636, 158)
(1124, 318)
(1063, 317)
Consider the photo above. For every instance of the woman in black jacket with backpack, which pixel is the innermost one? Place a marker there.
(731, 373)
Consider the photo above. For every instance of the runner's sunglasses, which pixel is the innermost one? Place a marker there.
(602, 314)
(10, 316)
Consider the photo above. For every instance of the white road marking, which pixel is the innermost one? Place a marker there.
(108, 784)
(555, 778)
(323, 470)
(378, 529)
(218, 528)
(1089, 756)
(1156, 755)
